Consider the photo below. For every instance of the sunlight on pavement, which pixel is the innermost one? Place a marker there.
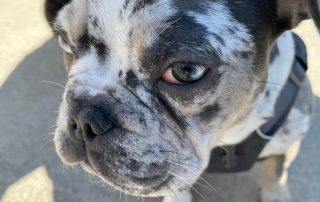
(308, 32)
(34, 187)
(20, 33)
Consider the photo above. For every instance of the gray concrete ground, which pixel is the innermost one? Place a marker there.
(31, 171)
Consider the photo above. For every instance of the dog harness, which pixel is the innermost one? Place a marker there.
(242, 157)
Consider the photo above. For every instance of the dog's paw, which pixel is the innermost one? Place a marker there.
(179, 197)
(278, 194)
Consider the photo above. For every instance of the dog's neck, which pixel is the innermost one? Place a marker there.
(279, 70)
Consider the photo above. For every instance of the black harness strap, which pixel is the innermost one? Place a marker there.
(241, 157)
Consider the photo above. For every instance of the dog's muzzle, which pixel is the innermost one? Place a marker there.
(120, 155)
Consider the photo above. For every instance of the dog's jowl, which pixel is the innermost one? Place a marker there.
(154, 86)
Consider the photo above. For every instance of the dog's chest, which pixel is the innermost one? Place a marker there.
(279, 70)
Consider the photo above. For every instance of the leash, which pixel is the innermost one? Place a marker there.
(242, 157)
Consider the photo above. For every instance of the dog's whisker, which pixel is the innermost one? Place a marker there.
(208, 186)
(48, 135)
(261, 81)
(125, 191)
(171, 161)
(48, 142)
(271, 83)
(169, 25)
(54, 83)
(191, 186)
(51, 127)
(174, 194)
(165, 151)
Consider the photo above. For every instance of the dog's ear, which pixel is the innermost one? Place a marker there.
(52, 7)
(291, 12)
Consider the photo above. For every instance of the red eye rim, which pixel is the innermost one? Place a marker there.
(169, 78)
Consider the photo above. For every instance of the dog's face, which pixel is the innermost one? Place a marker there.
(154, 83)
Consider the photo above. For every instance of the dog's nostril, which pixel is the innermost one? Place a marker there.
(73, 128)
(88, 132)
(92, 129)
(89, 122)
(73, 124)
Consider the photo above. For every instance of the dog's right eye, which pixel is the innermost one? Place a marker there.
(184, 73)
(64, 45)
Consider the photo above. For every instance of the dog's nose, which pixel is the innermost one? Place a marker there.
(89, 123)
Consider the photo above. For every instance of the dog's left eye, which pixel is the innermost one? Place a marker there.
(184, 73)
(64, 45)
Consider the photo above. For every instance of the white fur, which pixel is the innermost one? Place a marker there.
(279, 72)
(217, 21)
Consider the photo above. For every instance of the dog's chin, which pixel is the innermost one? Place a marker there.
(146, 184)
(152, 186)
(157, 183)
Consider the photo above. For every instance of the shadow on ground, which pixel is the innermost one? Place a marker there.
(28, 108)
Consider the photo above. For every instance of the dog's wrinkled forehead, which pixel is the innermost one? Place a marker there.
(125, 32)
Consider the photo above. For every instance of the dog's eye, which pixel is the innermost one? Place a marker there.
(184, 73)
(64, 45)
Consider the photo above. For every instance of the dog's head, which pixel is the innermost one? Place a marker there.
(152, 84)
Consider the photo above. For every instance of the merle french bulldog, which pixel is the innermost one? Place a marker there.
(155, 85)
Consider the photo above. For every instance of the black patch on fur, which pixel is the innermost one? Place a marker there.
(112, 92)
(125, 5)
(231, 31)
(267, 93)
(120, 73)
(192, 5)
(243, 54)
(219, 38)
(141, 4)
(101, 48)
(132, 80)
(209, 112)
(94, 22)
(85, 41)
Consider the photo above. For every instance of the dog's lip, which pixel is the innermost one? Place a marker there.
(150, 186)
(152, 182)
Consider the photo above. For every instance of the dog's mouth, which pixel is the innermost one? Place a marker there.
(152, 183)
(148, 173)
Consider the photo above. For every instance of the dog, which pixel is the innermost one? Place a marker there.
(155, 85)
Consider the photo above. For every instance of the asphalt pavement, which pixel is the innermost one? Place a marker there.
(30, 169)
